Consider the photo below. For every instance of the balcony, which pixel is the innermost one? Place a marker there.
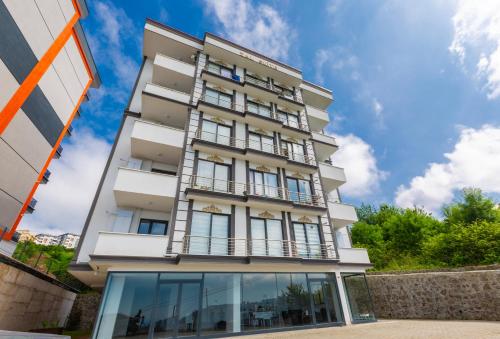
(287, 99)
(142, 189)
(226, 109)
(342, 214)
(173, 73)
(157, 142)
(58, 153)
(46, 176)
(324, 145)
(315, 95)
(253, 195)
(318, 119)
(165, 105)
(130, 245)
(228, 81)
(354, 256)
(251, 248)
(332, 176)
(31, 206)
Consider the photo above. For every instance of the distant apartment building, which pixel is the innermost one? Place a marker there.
(46, 69)
(218, 211)
(25, 235)
(69, 240)
(46, 239)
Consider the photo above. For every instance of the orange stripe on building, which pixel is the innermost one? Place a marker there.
(31, 81)
(68, 31)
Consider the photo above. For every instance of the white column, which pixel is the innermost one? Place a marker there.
(343, 299)
(236, 302)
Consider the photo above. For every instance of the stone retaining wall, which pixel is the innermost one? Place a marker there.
(456, 295)
(84, 311)
(29, 298)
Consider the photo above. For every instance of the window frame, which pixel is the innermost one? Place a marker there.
(209, 250)
(261, 147)
(266, 187)
(213, 179)
(283, 246)
(259, 105)
(218, 124)
(221, 67)
(150, 227)
(300, 200)
(219, 94)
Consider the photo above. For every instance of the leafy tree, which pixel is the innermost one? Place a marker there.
(473, 206)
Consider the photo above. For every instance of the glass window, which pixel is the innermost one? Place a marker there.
(258, 301)
(293, 302)
(299, 190)
(214, 132)
(261, 142)
(267, 237)
(258, 108)
(219, 69)
(288, 119)
(264, 184)
(155, 227)
(293, 151)
(212, 176)
(221, 303)
(127, 306)
(209, 233)
(359, 298)
(307, 240)
(218, 98)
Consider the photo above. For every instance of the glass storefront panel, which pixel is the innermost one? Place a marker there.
(166, 305)
(128, 305)
(293, 303)
(258, 301)
(220, 311)
(358, 296)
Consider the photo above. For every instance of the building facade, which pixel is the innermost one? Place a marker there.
(69, 240)
(218, 211)
(46, 239)
(46, 69)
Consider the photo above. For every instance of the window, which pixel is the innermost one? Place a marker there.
(259, 109)
(154, 227)
(264, 184)
(307, 240)
(219, 69)
(261, 142)
(293, 151)
(287, 93)
(294, 305)
(299, 190)
(359, 298)
(218, 98)
(267, 237)
(209, 233)
(215, 132)
(256, 81)
(288, 119)
(162, 171)
(213, 176)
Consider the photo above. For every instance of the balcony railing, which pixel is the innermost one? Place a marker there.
(220, 72)
(259, 83)
(221, 246)
(299, 157)
(244, 189)
(237, 143)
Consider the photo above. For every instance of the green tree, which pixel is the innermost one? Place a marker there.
(471, 207)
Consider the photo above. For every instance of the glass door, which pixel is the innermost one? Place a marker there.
(178, 309)
(212, 176)
(325, 303)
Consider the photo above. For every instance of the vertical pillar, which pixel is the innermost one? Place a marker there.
(236, 297)
(343, 299)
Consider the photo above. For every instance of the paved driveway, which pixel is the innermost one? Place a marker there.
(397, 329)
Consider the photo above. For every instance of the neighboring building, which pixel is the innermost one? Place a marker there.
(25, 235)
(46, 239)
(46, 69)
(69, 240)
(218, 208)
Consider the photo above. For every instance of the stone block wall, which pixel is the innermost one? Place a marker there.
(84, 311)
(28, 297)
(454, 295)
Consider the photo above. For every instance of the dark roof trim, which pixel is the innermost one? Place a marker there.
(173, 30)
(252, 51)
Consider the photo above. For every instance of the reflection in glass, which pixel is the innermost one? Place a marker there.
(359, 297)
(258, 301)
(128, 305)
(293, 303)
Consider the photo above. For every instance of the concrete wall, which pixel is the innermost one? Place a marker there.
(29, 297)
(468, 295)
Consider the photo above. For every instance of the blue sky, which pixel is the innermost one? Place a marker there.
(416, 86)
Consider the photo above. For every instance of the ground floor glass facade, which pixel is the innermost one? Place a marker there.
(165, 305)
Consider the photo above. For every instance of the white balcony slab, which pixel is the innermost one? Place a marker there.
(342, 214)
(324, 145)
(332, 176)
(147, 190)
(354, 256)
(318, 118)
(156, 142)
(173, 73)
(315, 95)
(130, 244)
(165, 105)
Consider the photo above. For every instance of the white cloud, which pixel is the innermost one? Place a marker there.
(477, 40)
(258, 27)
(63, 204)
(358, 159)
(474, 162)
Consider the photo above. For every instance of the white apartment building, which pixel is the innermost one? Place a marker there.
(69, 240)
(218, 211)
(46, 239)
